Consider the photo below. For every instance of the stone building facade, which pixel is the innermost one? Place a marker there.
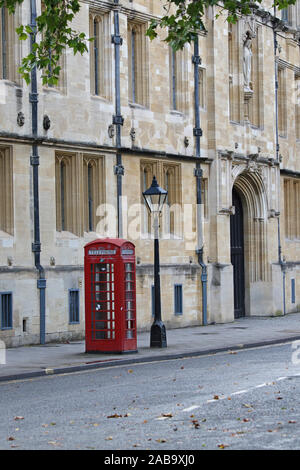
(227, 137)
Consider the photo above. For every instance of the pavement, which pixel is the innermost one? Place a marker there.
(60, 358)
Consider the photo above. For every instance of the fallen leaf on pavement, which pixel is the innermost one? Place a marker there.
(18, 417)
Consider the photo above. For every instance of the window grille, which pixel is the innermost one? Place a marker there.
(293, 291)
(74, 306)
(6, 310)
(178, 299)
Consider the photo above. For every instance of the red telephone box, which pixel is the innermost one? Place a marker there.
(110, 296)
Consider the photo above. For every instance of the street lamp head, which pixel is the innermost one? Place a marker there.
(155, 197)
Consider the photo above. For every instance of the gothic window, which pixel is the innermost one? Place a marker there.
(6, 191)
(292, 208)
(9, 45)
(285, 15)
(168, 176)
(202, 88)
(204, 197)
(281, 98)
(64, 196)
(138, 77)
(178, 80)
(174, 78)
(100, 49)
(79, 191)
(172, 182)
(147, 171)
(92, 186)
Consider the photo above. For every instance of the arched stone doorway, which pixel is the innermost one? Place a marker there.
(237, 254)
(251, 267)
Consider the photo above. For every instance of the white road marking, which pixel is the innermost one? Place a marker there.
(239, 392)
(191, 408)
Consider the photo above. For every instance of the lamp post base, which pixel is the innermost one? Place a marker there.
(158, 337)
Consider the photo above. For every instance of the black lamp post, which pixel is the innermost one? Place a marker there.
(155, 198)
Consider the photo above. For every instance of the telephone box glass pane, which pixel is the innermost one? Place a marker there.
(129, 301)
(102, 285)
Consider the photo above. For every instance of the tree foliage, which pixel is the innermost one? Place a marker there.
(53, 31)
(183, 19)
(50, 36)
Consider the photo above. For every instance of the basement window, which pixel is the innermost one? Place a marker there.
(293, 291)
(74, 306)
(178, 310)
(6, 310)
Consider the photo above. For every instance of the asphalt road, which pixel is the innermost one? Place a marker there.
(244, 400)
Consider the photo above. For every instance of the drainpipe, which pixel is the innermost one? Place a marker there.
(197, 131)
(280, 260)
(117, 118)
(34, 161)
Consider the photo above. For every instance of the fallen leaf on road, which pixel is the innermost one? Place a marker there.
(18, 417)
(216, 397)
(222, 446)
(54, 443)
(10, 438)
(167, 415)
(161, 440)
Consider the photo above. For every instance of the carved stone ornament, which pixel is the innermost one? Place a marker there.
(111, 131)
(46, 123)
(227, 211)
(21, 119)
(254, 167)
(132, 134)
